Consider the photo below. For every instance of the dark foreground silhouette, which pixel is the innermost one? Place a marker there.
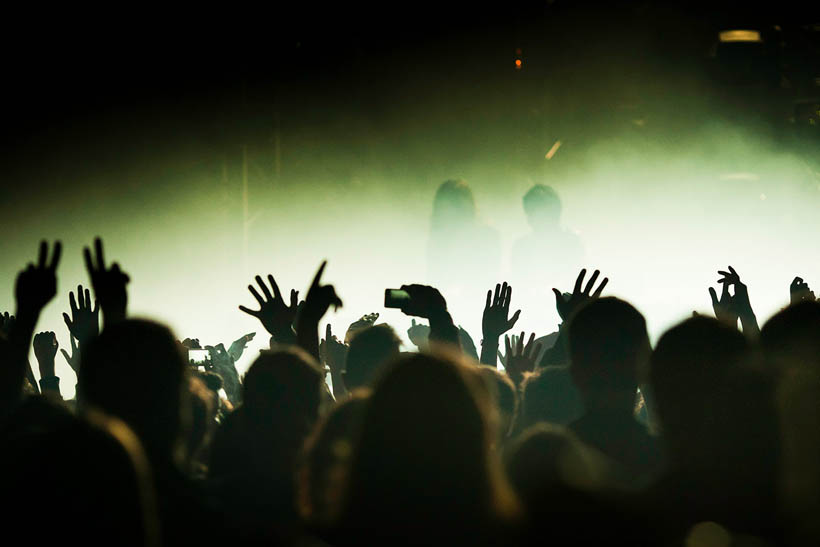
(586, 436)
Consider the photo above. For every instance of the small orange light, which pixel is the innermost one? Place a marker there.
(518, 64)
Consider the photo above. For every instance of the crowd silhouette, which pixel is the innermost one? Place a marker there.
(587, 435)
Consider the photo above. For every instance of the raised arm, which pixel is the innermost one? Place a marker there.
(729, 308)
(427, 302)
(318, 301)
(35, 287)
(45, 350)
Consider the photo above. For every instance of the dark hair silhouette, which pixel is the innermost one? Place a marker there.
(716, 411)
(791, 335)
(135, 371)
(204, 404)
(370, 350)
(423, 461)
(255, 452)
(547, 462)
(608, 348)
(791, 342)
(328, 453)
(89, 478)
(503, 395)
(548, 395)
(607, 344)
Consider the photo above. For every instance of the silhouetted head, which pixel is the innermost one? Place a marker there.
(549, 395)
(135, 371)
(423, 456)
(328, 452)
(792, 336)
(718, 422)
(791, 342)
(705, 393)
(212, 380)
(608, 349)
(542, 207)
(503, 394)
(453, 205)
(283, 387)
(547, 459)
(89, 476)
(370, 350)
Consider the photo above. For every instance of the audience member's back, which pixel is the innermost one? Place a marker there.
(370, 350)
(549, 396)
(791, 342)
(135, 372)
(255, 452)
(66, 477)
(564, 486)
(423, 472)
(609, 348)
(719, 428)
(328, 453)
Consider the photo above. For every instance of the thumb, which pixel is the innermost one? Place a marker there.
(514, 318)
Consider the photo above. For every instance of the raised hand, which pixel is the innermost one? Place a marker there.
(425, 301)
(419, 334)
(740, 299)
(73, 360)
(520, 359)
(239, 345)
(318, 300)
(799, 291)
(275, 315)
(84, 323)
(37, 285)
(502, 357)
(45, 350)
(334, 355)
(724, 306)
(6, 323)
(365, 321)
(496, 319)
(109, 284)
(567, 306)
(737, 305)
